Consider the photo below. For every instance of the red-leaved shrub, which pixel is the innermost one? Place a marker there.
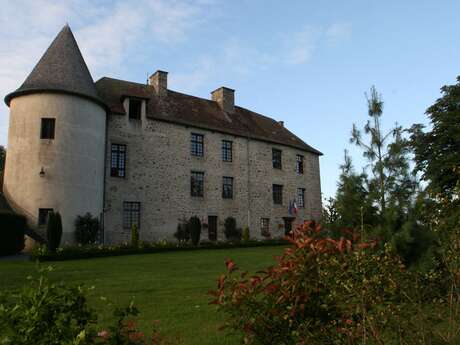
(321, 291)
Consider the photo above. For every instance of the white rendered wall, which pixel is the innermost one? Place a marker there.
(73, 162)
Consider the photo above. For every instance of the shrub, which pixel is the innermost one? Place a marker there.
(47, 313)
(86, 229)
(182, 233)
(230, 230)
(321, 291)
(134, 236)
(12, 233)
(44, 313)
(246, 235)
(194, 224)
(96, 251)
(54, 231)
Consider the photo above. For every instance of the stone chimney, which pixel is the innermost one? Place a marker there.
(225, 98)
(159, 81)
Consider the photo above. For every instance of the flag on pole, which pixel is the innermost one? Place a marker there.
(290, 208)
(295, 208)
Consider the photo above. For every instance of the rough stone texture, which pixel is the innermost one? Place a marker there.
(73, 162)
(158, 170)
(225, 98)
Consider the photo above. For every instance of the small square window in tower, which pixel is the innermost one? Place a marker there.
(43, 214)
(47, 128)
(135, 106)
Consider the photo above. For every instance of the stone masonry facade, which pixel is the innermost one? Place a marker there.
(158, 172)
(143, 176)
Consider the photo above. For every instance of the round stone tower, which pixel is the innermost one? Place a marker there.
(56, 140)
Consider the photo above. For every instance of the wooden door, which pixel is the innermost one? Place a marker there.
(212, 228)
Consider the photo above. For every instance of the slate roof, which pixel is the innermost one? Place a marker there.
(61, 69)
(198, 112)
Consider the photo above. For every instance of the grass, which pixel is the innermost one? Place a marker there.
(170, 287)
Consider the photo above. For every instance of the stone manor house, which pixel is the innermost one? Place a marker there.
(142, 154)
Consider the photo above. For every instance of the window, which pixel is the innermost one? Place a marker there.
(197, 145)
(265, 227)
(278, 194)
(118, 160)
(227, 187)
(131, 214)
(135, 109)
(43, 214)
(299, 164)
(197, 184)
(47, 128)
(276, 157)
(227, 150)
(301, 197)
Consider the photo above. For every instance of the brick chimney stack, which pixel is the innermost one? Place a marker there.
(225, 98)
(159, 81)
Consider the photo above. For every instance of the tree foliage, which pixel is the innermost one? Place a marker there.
(437, 151)
(387, 154)
(352, 201)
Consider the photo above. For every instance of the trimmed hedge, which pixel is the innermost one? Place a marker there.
(98, 251)
(12, 231)
(86, 228)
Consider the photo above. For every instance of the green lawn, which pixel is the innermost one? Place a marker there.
(170, 287)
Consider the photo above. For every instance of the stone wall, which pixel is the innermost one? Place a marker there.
(158, 170)
(72, 162)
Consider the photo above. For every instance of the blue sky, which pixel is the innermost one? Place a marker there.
(307, 63)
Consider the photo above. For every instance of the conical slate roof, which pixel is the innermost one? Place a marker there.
(61, 69)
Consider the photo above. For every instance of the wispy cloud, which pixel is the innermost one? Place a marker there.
(105, 32)
(300, 46)
(338, 32)
(235, 58)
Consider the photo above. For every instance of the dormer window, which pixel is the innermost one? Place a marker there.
(134, 110)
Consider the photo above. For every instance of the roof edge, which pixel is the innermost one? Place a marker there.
(24, 92)
(223, 131)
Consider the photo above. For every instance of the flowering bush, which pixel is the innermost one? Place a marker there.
(321, 291)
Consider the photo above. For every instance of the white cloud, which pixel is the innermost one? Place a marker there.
(301, 45)
(234, 60)
(105, 32)
(109, 33)
(338, 32)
